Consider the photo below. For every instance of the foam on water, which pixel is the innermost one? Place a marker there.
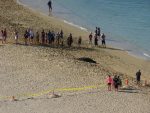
(72, 24)
(147, 55)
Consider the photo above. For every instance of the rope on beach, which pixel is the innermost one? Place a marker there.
(41, 93)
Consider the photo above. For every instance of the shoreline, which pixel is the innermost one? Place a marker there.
(141, 55)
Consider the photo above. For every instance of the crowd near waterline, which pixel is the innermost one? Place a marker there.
(50, 37)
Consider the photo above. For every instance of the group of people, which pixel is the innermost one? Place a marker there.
(3, 35)
(97, 36)
(31, 37)
(44, 37)
(116, 82)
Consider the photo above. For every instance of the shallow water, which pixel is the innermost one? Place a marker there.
(125, 22)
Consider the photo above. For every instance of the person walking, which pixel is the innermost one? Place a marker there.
(50, 6)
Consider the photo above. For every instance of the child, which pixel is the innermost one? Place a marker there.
(109, 81)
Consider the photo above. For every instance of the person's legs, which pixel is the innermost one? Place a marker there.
(109, 87)
(104, 44)
(2, 39)
(138, 82)
(116, 87)
(25, 40)
(5, 39)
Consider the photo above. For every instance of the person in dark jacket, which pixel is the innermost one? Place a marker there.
(70, 40)
(138, 77)
(116, 83)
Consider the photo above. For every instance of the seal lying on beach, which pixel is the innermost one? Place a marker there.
(86, 59)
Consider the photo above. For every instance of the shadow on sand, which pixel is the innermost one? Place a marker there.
(64, 47)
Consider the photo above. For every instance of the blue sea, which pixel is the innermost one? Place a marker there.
(126, 23)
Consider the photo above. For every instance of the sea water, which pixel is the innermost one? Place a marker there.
(126, 23)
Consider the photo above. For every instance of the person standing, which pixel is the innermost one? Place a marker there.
(90, 38)
(95, 40)
(98, 31)
(119, 81)
(5, 35)
(116, 82)
(49, 37)
(31, 37)
(26, 36)
(50, 6)
(61, 36)
(70, 40)
(37, 36)
(109, 81)
(16, 36)
(2, 35)
(43, 36)
(46, 38)
(52, 37)
(57, 38)
(79, 41)
(138, 77)
(103, 40)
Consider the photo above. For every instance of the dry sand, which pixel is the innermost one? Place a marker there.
(32, 69)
